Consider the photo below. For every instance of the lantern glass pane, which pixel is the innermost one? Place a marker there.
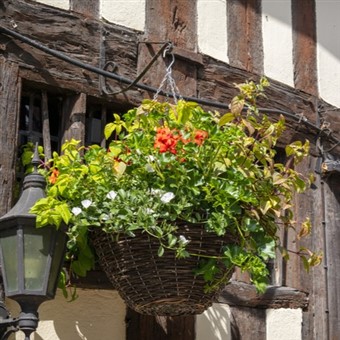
(36, 255)
(57, 260)
(10, 260)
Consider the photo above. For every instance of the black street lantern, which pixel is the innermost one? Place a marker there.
(31, 258)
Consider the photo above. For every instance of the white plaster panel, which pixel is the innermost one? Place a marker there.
(328, 47)
(284, 324)
(128, 13)
(212, 28)
(214, 323)
(277, 40)
(96, 314)
(64, 4)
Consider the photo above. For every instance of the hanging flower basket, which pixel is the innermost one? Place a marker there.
(216, 173)
(164, 285)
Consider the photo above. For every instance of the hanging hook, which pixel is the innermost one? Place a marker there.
(168, 49)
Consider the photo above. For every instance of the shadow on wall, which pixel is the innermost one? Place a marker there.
(96, 314)
(215, 324)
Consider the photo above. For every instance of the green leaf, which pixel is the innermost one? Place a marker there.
(108, 130)
(160, 251)
(64, 212)
(228, 117)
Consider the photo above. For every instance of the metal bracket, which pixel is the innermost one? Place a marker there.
(106, 88)
(330, 166)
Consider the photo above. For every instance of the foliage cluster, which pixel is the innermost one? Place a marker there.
(169, 163)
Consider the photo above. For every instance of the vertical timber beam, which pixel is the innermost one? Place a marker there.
(171, 21)
(10, 91)
(74, 115)
(245, 46)
(175, 21)
(146, 327)
(332, 253)
(89, 8)
(304, 46)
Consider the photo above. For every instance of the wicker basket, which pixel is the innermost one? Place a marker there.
(155, 285)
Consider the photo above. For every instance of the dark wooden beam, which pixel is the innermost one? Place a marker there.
(73, 118)
(244, 295)
(171, 21)
(304, 46)
(10, 90)
(245, 47)
(89, 8)
(332, 253)
(247, 323)
(75, 35)
(145, 327)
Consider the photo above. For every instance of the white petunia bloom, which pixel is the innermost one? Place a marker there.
(183, 240)
(167, 197)
(86, 203)
(76, 211)
(111, 195)
(156, 192)
(150, 158)
(149, 168)
(149, 211)
(105, 217)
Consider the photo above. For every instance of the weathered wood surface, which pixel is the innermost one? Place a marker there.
(332, 253)
(248, 323)
(304, 46)
(216, 81)
(170, 21)
(73, 118)
(244, 295)
(145, 327)
(89, 8)
(73, 34)
(93, 42)
(10, 89)
(46, 127)
(245, 43)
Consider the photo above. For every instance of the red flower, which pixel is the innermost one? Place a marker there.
(53, 178)
(166, 140)
(200, 136)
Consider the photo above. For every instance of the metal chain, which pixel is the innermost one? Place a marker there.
(168, 80)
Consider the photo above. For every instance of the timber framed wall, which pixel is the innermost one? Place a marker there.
(81, 34)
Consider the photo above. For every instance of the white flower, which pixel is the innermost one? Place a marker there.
(150, 158)
(156, 192)
(76, 211)
(167, 197)
(86, 203)
(149, 168)
(105, 217)
(183, 240)
(149, 211)
(111, 195)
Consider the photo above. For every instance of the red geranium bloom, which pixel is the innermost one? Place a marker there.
(200, 136)
(166, 140)
(55, 173)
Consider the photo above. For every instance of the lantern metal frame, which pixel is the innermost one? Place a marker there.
(18, 224)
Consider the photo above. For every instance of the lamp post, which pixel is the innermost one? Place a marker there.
(31, 258)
